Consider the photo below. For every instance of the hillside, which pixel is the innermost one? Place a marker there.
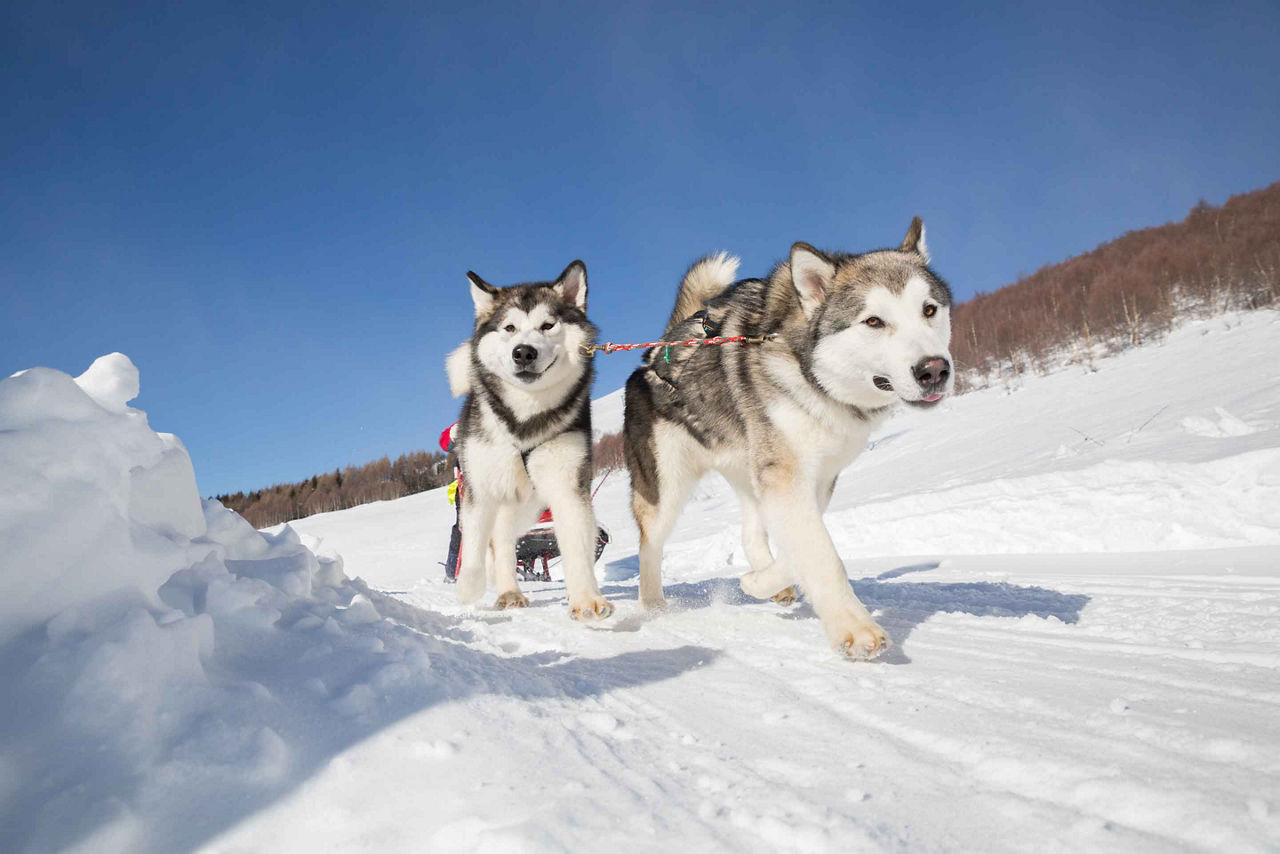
(1125, 292)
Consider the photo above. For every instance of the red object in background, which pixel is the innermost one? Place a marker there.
(545, 517)
(445, 438)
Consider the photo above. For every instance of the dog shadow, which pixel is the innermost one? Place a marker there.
(899, 606)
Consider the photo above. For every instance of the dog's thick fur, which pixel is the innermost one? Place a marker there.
(524, 437)
(848, 337)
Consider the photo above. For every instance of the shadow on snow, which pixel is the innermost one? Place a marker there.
(63, 781)
(899, 606)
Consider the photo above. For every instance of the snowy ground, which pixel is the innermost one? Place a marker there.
(1081, 576)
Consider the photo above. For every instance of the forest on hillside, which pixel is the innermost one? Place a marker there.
(1119, 295)
(1124, 292)
(380, 480)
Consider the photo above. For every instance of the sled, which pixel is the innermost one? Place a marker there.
(538, 544)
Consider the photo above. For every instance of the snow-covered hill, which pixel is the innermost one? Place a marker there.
(1081, 575)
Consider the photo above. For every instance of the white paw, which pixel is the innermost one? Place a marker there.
(762, 584)
(511, 599)
(653, 603)
(855, 637)
(785, 597)
(590, 608)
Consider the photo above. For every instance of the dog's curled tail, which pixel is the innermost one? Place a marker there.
(705, 279)
(458, 368)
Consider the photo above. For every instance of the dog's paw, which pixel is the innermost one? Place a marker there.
(470, 586)
(654, 603)
(785, 597)
(590, 608)
(858, 639)
(511, 599)
(763, 583)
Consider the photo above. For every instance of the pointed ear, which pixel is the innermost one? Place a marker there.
(482, 294)
(914, 241)
(812, 273)
(572, 285)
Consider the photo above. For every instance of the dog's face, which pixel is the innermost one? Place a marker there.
(530, 336)
(880, 323)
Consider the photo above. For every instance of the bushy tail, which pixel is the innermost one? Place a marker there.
(705, 279)
(458, 369)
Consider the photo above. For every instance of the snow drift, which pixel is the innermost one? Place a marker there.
(168, 670)
(127, 610)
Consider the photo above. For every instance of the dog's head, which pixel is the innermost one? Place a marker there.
(880, 323)
(530, 336)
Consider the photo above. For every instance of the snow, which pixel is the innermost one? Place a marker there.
(1081, 574)
(606, 413)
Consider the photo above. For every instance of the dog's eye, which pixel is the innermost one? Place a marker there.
(930, 310)
(547, 326)
(874, 322)
(510, 327)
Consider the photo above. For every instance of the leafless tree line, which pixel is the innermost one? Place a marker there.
(380, 480)
(1124, 292)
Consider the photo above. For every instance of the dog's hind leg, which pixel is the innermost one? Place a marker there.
(561, 473)
(678, 469)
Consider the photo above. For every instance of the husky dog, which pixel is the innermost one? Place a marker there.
(845, 338)
(524, 435)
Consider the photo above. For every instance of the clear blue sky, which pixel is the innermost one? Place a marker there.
(271, 207)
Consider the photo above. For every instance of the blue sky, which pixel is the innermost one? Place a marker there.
(270, 208)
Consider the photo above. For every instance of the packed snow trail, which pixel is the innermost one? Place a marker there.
(1081, 574)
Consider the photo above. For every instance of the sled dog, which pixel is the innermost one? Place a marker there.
(846, 337)
(524, 436)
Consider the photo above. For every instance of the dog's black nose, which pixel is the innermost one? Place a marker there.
(932, 372)
(524, 355)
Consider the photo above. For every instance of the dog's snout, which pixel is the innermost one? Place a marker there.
(932, 371)
(524, 355)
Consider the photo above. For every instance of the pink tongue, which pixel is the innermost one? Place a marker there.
(931, 398)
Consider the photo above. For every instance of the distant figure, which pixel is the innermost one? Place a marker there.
(455, 498)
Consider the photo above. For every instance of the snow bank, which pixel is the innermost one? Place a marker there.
(147, 639)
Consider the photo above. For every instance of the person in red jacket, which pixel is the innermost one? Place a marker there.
(455, 497)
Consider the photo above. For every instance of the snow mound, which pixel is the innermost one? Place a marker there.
(148, 639)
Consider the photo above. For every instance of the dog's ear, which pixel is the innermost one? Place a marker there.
(812, 273)
(914, 241)
(572, 285)
(483, 294)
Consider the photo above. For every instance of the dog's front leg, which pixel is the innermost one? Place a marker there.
(478, 513)
(510, 523)
(794, 518)
(560, 471)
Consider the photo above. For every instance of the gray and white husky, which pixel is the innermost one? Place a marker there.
(846, 337)
(524, 436)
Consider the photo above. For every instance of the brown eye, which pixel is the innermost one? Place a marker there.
(547, 326)
(930, 310)
(874, 322)
(509, 328)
